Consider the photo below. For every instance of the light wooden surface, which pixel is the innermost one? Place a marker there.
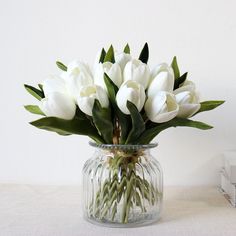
(56, 211)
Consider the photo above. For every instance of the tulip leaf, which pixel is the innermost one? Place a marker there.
(138, 125)
(67, 127)
(209, 105)
(180, 80)
(127, 49)
(123, 119)
(61, 66)
(41, 87)
(102, 56)
(110, 55)
(34, 109)
(144, 54)
(34, 91)
(150, 133)
(103, 122)
(175, 67)
(112, 89)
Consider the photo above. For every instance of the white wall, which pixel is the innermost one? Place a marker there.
(34, 34)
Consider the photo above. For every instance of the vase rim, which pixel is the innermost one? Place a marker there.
(123, 146)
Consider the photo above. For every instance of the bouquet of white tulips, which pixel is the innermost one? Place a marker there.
(121, 101)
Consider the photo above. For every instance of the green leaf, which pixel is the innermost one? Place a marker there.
(180, 80)
(209, 105)
(110, 55)
(112, 89)
(144, 54)
(41, 87)
(67, 127)
(34, 109)
(102, 56)
(151, 133)
(138, 125)
(127, 49)
(175, 67)
(34, 91)
(124, 120)
(61, 66)
(102, 120)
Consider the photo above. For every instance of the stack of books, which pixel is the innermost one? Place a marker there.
(228, 177)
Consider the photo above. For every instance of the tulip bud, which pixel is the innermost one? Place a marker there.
(122, 58)
(77, 76)
(130, 91)
(54, 83)
(188, 100)
(87, 96)
(162, 107)
(58, 105)
(137, 71)
(112, 70)
(163, 67)
(163, 81)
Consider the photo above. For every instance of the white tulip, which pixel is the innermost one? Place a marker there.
(160, 68)
(77, 76)
(130, 91)
(137, 71)
(58, 105)
(87, 96)
(162, 107)
(54, 83)
(122, 58)
(188, 100)
(76, 67)
(112, 70)
(163, 81)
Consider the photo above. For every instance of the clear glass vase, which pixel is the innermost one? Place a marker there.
(122, 186)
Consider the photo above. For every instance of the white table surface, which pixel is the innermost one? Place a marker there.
(27, 210)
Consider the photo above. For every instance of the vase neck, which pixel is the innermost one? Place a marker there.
(126, 148)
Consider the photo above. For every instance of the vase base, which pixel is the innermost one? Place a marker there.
(140, 223)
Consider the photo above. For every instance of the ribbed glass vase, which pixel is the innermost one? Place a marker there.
(122, 186)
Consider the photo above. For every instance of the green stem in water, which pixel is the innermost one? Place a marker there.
(123, 186)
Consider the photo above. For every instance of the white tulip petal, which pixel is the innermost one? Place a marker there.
(75, 82)
(122, 97)
(130, 91)
(164, 117)
(137, 71)
(86, 104)
(188, 110)
(54, 84)
(112, 70)
(76, 67)
(164, 81)
(87, 96)
(183, 97)
(162, 107)
(58, 105)
(158, 103)
(163, 67)
(102, 97)
(122, 59)
(77, 76)
(188, 100)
